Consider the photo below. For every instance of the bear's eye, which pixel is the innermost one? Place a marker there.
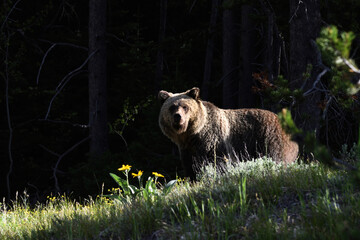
(185, 108)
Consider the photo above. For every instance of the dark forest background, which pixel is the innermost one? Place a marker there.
(79, 80)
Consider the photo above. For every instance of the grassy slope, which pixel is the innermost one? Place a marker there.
(254, 200)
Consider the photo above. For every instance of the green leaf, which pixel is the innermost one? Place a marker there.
(123, 184)
(117, 179)
(150, 186)
(149, 192)
(133, 189)
(169, 186)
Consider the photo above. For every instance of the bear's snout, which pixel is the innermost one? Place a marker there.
(177, 118)
(179, 123)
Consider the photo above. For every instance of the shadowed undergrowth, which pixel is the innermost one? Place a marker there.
(251, 200)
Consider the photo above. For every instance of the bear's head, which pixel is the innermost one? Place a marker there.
(181, 112)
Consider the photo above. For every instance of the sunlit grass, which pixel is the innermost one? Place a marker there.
(251, 200)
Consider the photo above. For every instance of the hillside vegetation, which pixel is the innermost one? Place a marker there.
(240, 200)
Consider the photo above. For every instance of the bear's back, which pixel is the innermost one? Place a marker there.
(258, 132)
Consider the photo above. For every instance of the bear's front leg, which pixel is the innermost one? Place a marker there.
(187, 163)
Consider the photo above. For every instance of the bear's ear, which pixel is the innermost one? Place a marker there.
(163, 95)
(194, 93)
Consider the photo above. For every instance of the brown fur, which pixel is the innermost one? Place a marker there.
(200, 129)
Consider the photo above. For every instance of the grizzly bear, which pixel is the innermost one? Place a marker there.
(200, 130)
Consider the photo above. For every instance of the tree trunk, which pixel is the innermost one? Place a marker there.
(246, 98)
(209, 51)
(160, 53)
(272, 45)
(97, 78)
(304, 28)
(230, 60)
(269, 58)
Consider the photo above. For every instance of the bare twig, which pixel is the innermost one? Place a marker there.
(6, 63)
(120, 40)
(319, 64)
(227, 75)
(11, 161)
(47, 52)
(286, 63)
(60, 157)
(65, 80)
(351, 66)
(308, 92)
(192, 6)
(8, 15)
(122, 130)
(327, 107)
(58, 90)
(49, 151)
(122, 137)
(278, 57)
(296, 10)
(65, 122)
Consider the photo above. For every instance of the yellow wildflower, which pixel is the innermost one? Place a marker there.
(52, 199)
(157, 174)
(124, 167)
(181, 180)
(139, 174)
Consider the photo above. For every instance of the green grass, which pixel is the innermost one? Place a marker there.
(251, 200)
